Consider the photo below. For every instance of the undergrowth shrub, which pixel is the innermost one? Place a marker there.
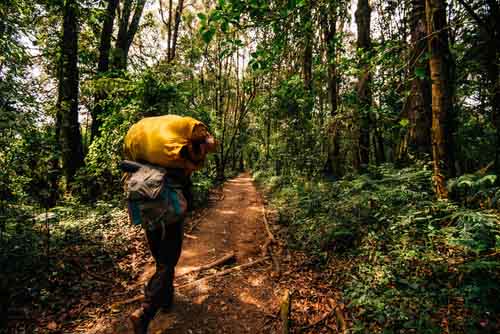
(418, 263)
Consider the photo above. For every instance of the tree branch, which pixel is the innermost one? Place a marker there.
(476, 17)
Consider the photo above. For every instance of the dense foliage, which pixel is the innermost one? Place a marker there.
(404, 261)
(374, 124)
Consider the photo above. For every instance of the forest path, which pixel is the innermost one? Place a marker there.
(240, 302)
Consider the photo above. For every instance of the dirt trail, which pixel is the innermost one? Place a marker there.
(241, 302)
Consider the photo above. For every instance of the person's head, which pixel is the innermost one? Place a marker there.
(198, 150)
(210, 144)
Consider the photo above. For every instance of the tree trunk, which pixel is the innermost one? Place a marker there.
(120, 53)
(494, 73)
(67, 106)
(378, 145)
(439, 63)
(332, 166)
(103, 65)
(106, 34)
(242, 163)
(129, 23)
(363, 17)
(308, 40)
(169, 31)
(178, 15)
(419, 104)
(268, 135)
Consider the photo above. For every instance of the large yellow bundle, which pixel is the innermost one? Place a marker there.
(159, 140)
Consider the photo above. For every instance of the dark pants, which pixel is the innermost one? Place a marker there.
(159, 291)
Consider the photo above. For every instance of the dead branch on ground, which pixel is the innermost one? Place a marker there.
(340, 320)
(221, 273)
(226, 258)
(285, 312)
(266, 224)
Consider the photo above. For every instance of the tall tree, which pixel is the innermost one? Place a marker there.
(67, 102)
(494, 71)
(330, 32)
(106, 34)
(489, 24)
(418, 106)
(128, 25)
(307, 25)
(439, 62)
(172, 24)
(178, 15)
(363, 18)
(103, 64)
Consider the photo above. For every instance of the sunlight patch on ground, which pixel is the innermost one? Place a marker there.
(254, 208)
(226, 212)
(184, 270)
(202, 287)
(248, 299)
(200, 299)
(188, 253)
(256, 281)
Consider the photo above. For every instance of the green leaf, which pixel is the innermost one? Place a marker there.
(224, 26)
(238, 42)
(420, 73)
(202, 17)
(215, 15)
(208, 35)
(488, 180)
(404, 122)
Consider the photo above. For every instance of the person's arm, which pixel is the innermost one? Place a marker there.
(187, 191)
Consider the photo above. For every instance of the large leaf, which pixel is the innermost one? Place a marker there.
(207, 35)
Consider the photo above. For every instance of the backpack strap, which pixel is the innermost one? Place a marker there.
(170, 195)
(134, 212)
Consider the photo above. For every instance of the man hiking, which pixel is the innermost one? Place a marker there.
(161, 154)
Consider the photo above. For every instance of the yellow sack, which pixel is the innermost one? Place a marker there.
(159, 140)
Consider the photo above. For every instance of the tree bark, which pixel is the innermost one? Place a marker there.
(378, 145)
(419, 103)
(67, 104)
(103, 64)
(332, 166)
(363, 18)
(169, 34)
(494, 72)
(178, 15)
(121, 51)
(106, 34)
(308, 40)
(129, 23)
(439, 63)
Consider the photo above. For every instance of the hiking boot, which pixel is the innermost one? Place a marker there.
(140, 321)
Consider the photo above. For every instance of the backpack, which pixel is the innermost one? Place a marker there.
(154, 199)
(146, 183)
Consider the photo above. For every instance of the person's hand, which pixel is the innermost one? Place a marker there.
(210, 145)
